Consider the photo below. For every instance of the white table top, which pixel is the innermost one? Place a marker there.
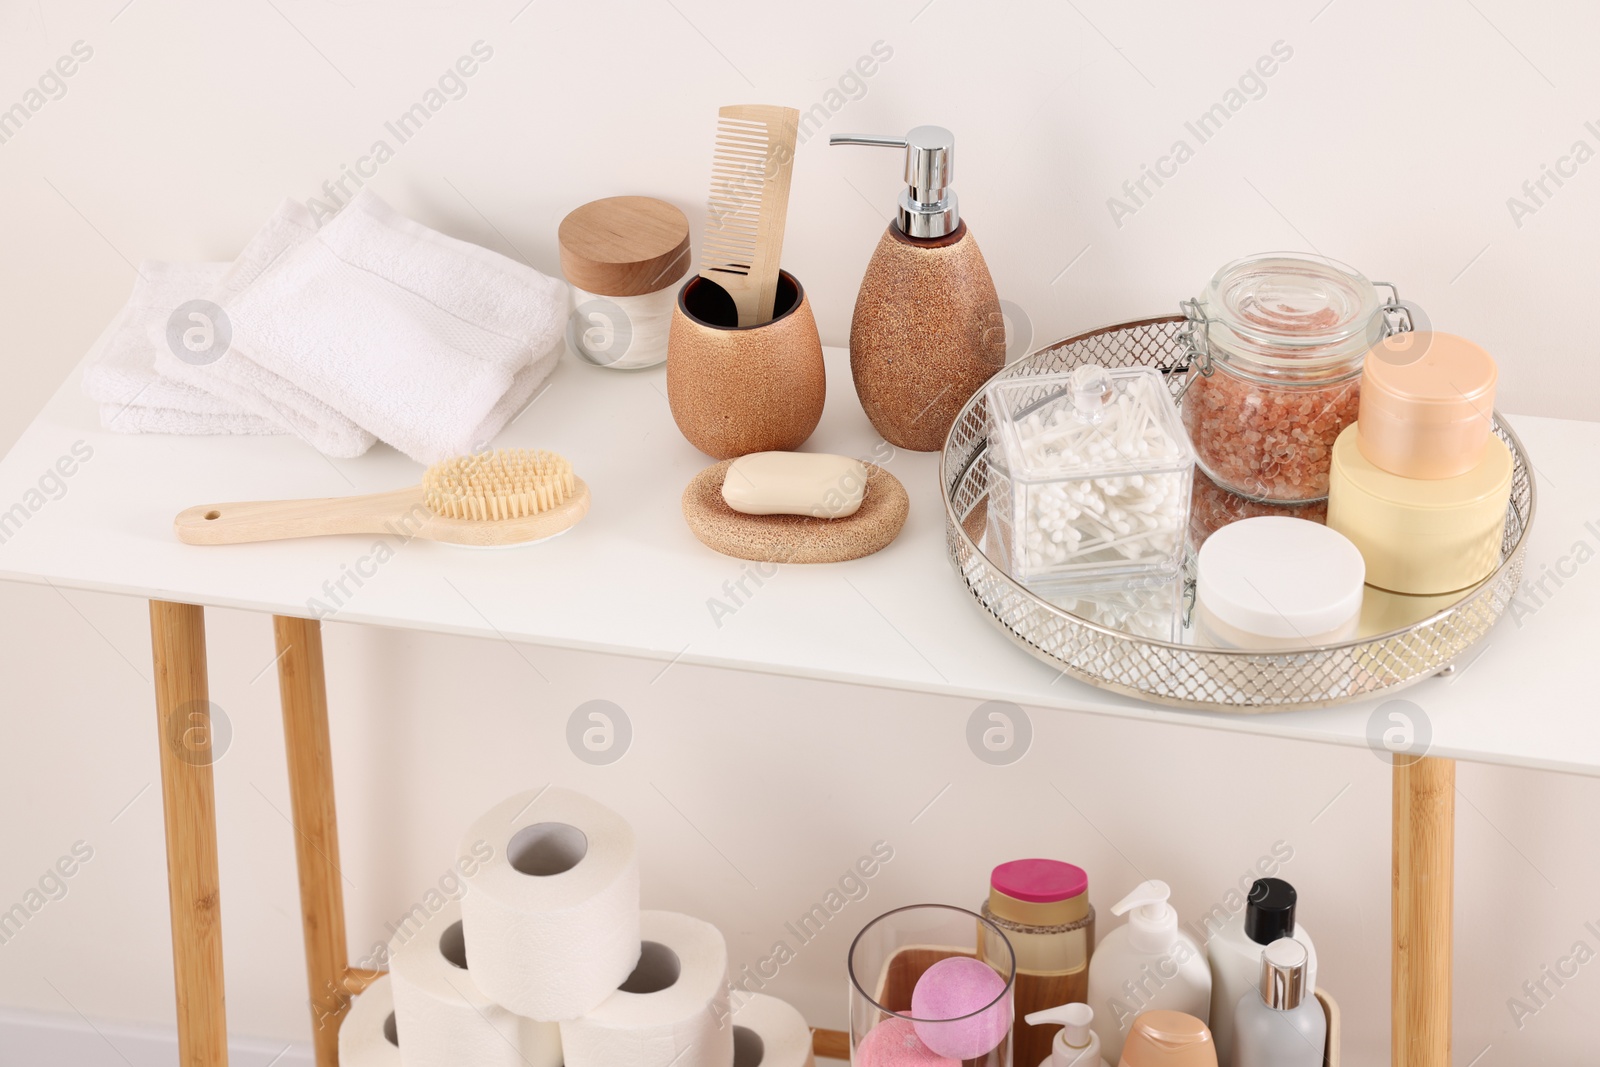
(632, 580)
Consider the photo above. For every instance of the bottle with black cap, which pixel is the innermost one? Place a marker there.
(1280, 1025)
(1235, 953)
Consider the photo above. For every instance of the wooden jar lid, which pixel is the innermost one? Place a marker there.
(624, 246)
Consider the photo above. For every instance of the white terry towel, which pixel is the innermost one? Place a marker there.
(243, 382)
(121, 374)
(431, 343)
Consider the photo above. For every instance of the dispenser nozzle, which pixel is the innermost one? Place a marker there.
(1075, 1020)
(1153, 926)
(1153, 894)
(928, 205)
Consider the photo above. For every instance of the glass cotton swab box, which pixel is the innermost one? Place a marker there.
(1090, 478)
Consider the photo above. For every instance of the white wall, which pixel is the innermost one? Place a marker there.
(1391, 138)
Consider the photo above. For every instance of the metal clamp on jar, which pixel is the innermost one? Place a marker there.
(1288, 333)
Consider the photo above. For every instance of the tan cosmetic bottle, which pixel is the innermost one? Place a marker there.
(927, 329)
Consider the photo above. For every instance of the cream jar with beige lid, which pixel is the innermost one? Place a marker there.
(1427, 405)
(624, 256)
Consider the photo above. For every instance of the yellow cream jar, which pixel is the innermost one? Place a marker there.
(1422, 537)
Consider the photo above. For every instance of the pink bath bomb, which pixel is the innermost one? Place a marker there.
(955, 988)
(894, 1043)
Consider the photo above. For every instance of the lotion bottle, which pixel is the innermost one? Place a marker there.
(1076, 1044)
(1144, 965)
(927, 330)
(1235, 953)
(1169, 1039)
(1282, 1025)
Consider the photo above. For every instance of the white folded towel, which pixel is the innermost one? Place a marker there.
(242, 381)
(137, 418)
(379, 323)
(121, 375)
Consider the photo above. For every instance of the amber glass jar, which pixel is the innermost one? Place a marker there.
(1276, 346)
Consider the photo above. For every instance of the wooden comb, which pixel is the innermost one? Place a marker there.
(749, 204)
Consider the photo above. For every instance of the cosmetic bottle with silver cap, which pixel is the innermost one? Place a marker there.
(1282, 1025)
(927, 330)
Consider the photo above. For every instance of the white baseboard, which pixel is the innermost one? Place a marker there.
(40, 1039)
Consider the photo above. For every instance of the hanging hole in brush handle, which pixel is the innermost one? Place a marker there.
(245, 521)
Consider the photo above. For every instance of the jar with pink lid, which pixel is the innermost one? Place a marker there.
(1275, 345)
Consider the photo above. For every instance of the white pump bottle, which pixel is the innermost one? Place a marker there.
(1143, 965)
(1075, 1044)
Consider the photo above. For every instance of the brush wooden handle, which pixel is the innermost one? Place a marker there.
(400, 511)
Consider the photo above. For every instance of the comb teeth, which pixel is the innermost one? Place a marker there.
(508, 483)
(739, 173)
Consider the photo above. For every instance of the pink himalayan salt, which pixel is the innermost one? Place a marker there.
(955, 988)
(894, 1043)
(1268, 442)
(1212, 507)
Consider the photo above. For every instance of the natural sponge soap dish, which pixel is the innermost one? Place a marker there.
(795, 507)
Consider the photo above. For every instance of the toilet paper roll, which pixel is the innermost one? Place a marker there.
(447, 1019)
(673, 1009)
(552, 918)
(768, 1032)
(369, 1036)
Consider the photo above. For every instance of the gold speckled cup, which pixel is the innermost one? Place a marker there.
(736, 390)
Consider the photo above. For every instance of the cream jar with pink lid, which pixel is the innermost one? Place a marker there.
(1427, 405)
(1276, 345)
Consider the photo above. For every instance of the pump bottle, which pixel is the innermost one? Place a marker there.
(1143, 965)
(927, 329)
(1076, 1044)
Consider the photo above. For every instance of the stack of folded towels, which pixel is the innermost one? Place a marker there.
(372, 328)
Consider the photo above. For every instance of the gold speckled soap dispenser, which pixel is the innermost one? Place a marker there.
(927, 329)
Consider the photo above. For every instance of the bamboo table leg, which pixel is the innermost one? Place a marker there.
(303, 691)
(183, 713)
(1424, 874)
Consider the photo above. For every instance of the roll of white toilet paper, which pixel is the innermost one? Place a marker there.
(673, 1009)
(369, 1037)
(768, 1032)
(447, 1019)
(552, 918)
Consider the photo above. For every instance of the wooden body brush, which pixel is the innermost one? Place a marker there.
(506, 497)
(749, 205)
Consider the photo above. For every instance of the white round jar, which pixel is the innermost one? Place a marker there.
(1274, 582)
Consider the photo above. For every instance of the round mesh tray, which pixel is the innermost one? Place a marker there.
(1187, 675)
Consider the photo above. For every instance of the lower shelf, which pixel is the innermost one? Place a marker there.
(835, 1044)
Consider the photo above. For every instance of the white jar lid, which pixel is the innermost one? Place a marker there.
(1280, 577)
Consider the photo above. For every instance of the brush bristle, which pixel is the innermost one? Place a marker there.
(508, 483)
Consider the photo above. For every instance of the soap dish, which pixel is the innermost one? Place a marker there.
(795, 538)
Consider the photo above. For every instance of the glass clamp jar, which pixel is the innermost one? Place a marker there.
(1288, 332)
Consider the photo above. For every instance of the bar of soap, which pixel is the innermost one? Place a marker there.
(795, 483)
